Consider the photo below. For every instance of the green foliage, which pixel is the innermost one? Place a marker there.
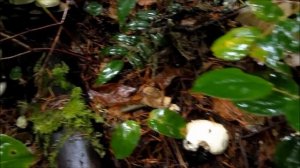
(266, 10)
(74, 114)
(58, 76)
(16, 73)
(234, 44)
(167, 122)
(125, 138)
(288, 153)
(124, 8)
(110, 70)
(93, 8)
(233, 84)
(14, 154)
(276, 95)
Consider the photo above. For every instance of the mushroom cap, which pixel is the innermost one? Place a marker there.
(212, 136)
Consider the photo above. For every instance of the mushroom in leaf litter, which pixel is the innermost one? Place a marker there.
(212, 136)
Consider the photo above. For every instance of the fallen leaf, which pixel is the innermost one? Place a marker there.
(112, 94)
(230, 112)
(146, 2)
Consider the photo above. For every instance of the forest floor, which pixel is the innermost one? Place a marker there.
(75, 37)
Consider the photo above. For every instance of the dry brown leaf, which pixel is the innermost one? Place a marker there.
(155, 98)
(112, 94)
(230, 112)
(146, 2)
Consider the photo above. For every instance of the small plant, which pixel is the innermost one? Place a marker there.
(274, 92)
(134, 44)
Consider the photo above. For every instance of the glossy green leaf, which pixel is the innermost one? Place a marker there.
(111, 70)
(125, 138)
(287, 33)
(158, 39)
(274, 104)
(283, 82)
(144, 50)
(233, 84)
(292, 115)
(167, 122)
(16, 73)
(124, 8)
(234, 44)
(135, 60)
(147, 15)
(114, 50)
(266, 10)
(14, 154)
(94, 8)
(126, 39)
(288, 153)
(138, 25)
(270, 51)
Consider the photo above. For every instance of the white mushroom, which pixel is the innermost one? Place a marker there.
(2, 86)
(212, 136)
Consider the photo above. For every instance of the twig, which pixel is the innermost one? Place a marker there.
(42, 49)
(242, 149)
(16, 41)
(31, 30)
(178, 153)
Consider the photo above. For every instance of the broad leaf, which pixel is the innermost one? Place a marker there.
(126, 39)
(14, 154)
(135, 60)
(288, 153)
(94, 8)
(147, 15)
(138, 25)
(287, 33)
(266, 10)
(292, 115)
(124, 8)
(167, 122)
(274, 104)
(234, 44)
(233, 84)
(114, 50)
(125, 138)
(111, 70)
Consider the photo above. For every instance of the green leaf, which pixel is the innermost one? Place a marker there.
(274, 104)
(47, 3)
(292, 115)
(147, 15)
(94, 8)
(137, 25)
(124, 8)
(128, 40)
(125, 138)
(234, 45)
(266, 10)
(158, 39)
(284, 83)
(233, 84)
(135, 60)
(14, 154)
(287, 33)
(270, 51)
(20, 2)
(288, 153)
(15, 73)
(114, 50)
(167, 122)
(111, 70)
